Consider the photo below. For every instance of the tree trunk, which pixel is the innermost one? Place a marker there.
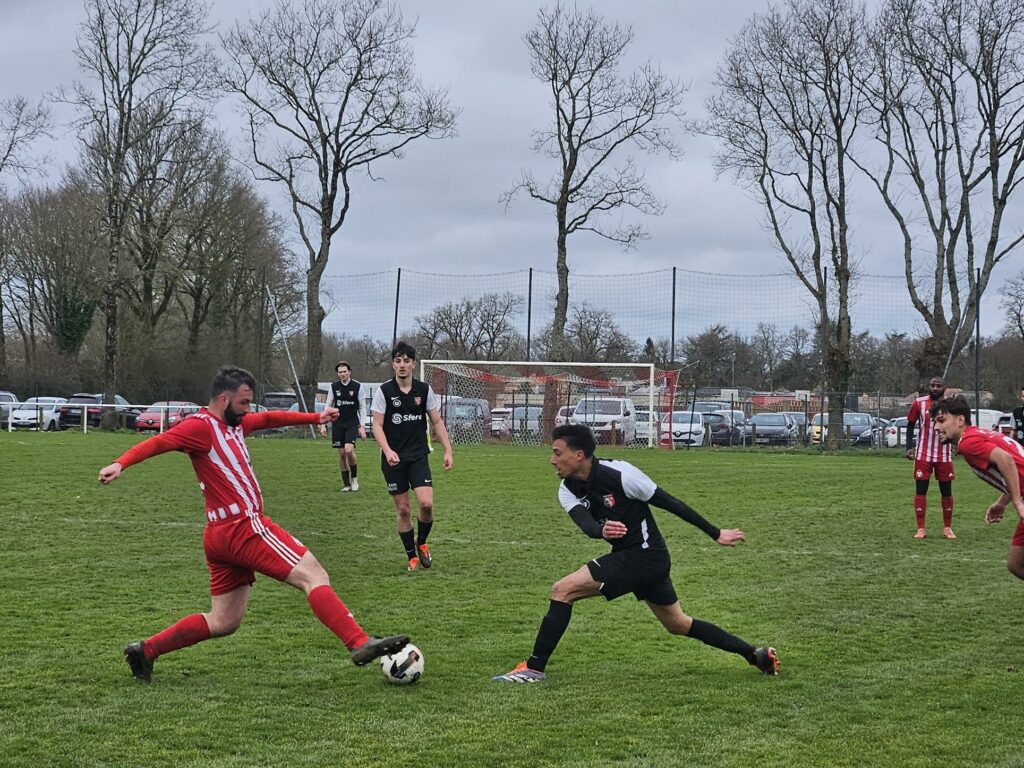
(558, 347)
(314, 320)
(110, 309)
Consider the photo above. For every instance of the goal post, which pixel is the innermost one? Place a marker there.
(520, 401)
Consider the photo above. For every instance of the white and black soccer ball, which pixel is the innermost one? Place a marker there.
(403, 667)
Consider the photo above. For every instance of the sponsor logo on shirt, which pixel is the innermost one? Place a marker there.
(585, 502)
(398, 418)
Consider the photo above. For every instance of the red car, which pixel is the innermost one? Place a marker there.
(171, 411)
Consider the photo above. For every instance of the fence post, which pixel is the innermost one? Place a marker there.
(672, 353)
(529, 311)
(398, 291)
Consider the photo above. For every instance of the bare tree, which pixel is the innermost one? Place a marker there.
(1013, 305)
(947, 89)
(591, 335)
(329, 88)
(599, 114)
(786, 113)
(21, 124)
(472, 329)
(148, 69)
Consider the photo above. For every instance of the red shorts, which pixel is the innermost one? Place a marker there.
(236, 550)
(1018, 535)
(923, 470)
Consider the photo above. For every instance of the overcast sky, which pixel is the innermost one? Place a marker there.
(437, 209)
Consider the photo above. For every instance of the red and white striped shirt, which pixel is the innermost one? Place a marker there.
(220, 458)
(976, 446)
(928, 446)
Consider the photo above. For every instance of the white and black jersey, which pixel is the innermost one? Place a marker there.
(616, 490)
(348, 399)
(1017, 415)
(405, 416)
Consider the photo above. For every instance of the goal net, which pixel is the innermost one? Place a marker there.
(521, 402)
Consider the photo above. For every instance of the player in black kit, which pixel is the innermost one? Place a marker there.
(1017, 420)
(400, 411)
(347, 396)
(609, 500)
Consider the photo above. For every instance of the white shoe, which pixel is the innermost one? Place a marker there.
(346, 489)
(355, 484)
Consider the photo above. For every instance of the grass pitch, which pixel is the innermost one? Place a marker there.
(894, 652)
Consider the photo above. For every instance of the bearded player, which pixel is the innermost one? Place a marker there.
(930, 455)
(239, 539)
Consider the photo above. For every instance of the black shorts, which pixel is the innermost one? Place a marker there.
(343, 432)
(644, 572)
(400, 478)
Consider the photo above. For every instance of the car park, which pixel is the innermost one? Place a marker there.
(647, 425)
(800, 419)
(37, 413)
(164, 414)
(467, 419)
(710, 406)
(525, 423)
(771, 429)
(860, 429)
(71, 413)
(722, 430)
(683, 428)
(562, 417)
(611, 419)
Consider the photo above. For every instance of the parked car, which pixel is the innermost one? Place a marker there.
(169, 411)
(895, 433)
(611, 419)
(467, 419)
(985, 418)
(771, 429)
(722, 430)
(37, 411)
(819, 428)
(562, 417)
(279, 401)
(6, 399)
(800, 419)
(647, 424)
(71, 412)
(525, 423)
(501, 422)
(860, 428)
(683, 428)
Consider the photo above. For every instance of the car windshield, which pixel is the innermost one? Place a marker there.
(714, 418)
(816, 421)
(160, 404)
(598, 408)
(799, 418)
(769, 420)
(856, 420)
(526, 412)
(279, 399)
(683, 417)
(41, 400)
(463, 411)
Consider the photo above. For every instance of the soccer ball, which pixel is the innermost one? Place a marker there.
(403, 667)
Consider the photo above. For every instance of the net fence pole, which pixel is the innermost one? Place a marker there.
(398, 292)
(288, 354)
(977, 346)
(650, 411)
(529, 311)
(672, 354)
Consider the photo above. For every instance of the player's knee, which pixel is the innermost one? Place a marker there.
(561, 591)
(404, 514)
(222, 625)
(426, 509)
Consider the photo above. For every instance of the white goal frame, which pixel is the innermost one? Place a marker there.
(481, 364)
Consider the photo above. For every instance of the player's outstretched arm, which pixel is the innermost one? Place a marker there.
(1007, 467)
(186, 435)
(670, 503)
(110, 473)
(730, 537)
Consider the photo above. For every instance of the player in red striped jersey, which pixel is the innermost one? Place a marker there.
(997, 459)
(240, 539)
(930, 454)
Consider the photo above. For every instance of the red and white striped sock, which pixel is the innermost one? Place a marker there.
(333, 614)
(188, 631)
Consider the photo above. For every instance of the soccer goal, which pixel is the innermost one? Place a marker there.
(521, 402)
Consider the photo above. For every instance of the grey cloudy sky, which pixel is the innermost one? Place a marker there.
(437, 209)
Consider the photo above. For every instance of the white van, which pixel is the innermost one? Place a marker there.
(985, 418)
(612, 419)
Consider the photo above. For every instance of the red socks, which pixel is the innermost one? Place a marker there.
(189, 631)
(919, 506)
(947, 511)
(336, 617)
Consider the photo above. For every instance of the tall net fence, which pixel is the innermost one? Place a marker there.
(665, 305)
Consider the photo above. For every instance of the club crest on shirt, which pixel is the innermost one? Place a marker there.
(609, 501)
(417, 400)
(351, 393)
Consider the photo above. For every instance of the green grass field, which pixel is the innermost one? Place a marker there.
(894, 652)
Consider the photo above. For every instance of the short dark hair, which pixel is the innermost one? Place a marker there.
(403, 349)
(577, 437)
(231, 378)
(955, 405)
(341, 363)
